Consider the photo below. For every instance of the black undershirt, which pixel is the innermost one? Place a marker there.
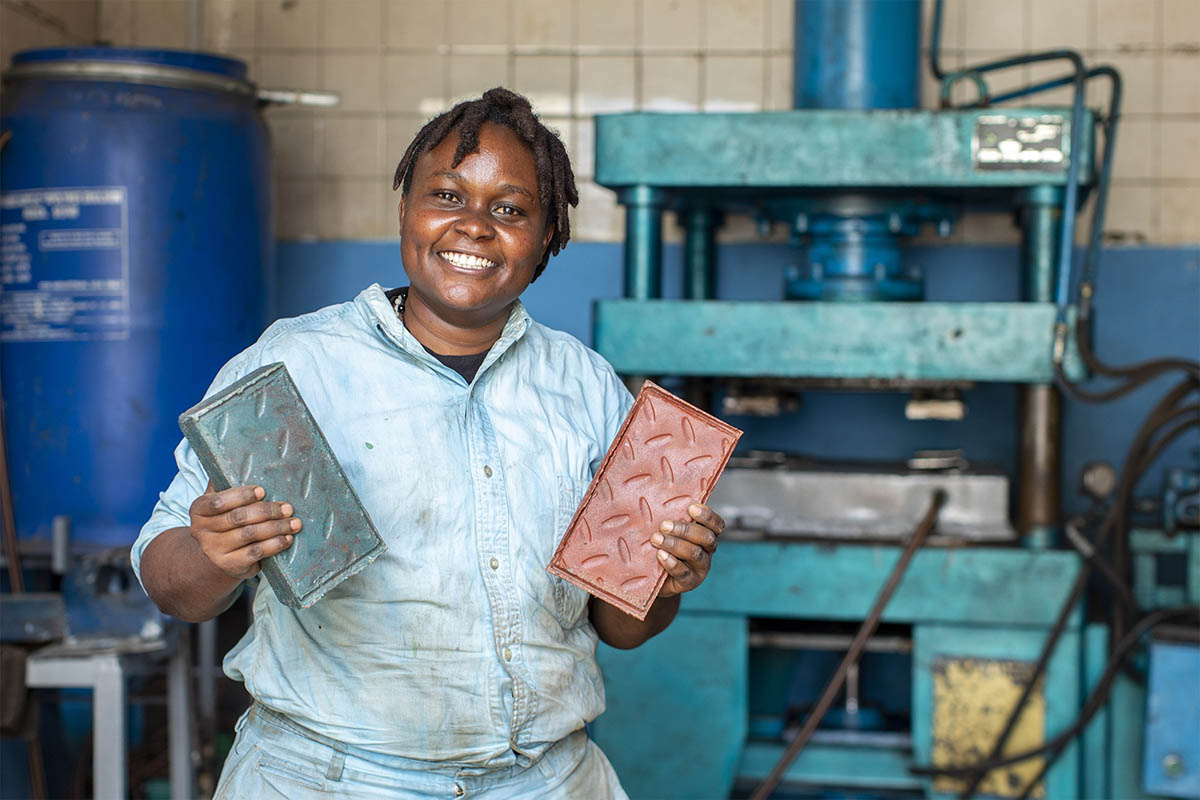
(466, 366)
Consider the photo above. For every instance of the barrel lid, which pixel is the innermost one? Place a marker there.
(185, 68)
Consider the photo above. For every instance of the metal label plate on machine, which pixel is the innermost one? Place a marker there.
(1002, 142)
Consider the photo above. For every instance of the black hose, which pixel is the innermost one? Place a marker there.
(1095, 701)
(928, 522)
(1161, 415)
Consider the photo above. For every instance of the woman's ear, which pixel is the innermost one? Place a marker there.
(400, 211)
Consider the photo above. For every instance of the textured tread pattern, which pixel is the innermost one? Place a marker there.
(258, 431)
(667, 455)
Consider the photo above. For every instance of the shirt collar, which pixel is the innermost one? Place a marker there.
(375, 304)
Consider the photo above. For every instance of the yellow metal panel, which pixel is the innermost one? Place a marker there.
(972, 698)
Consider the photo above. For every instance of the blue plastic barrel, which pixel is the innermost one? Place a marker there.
(135, 250)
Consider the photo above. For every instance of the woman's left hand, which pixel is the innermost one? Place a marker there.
(685, 549)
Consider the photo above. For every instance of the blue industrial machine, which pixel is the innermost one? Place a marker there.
(853, 171)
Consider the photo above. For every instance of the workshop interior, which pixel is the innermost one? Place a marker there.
(938, 259)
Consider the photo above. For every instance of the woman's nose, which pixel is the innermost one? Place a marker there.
(475, 224)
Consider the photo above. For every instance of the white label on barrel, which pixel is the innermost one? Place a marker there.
(64, 264)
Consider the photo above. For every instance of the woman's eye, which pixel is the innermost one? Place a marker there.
(447, 196)
(508, 211)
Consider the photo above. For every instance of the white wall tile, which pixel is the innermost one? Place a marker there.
(1181, 84)
(543, 23)
(1181, 24)
(230, 25)
(352, 208)
(735, 25)
(357, 78)
(670, 25)
(296, 208)
(1136, 150)
(1179, 222)
(288, 24)
(733, 83)
(583, 150)
(1061, 23)
(415, 23)
(352, 24)
(1180, 153)
(780, 77)
(605, 84)
(293, 142)
(607, 24)
(546, 81)
(598, 218)
(415, 82)
(479, 22)
(162, 23)
(990, 25)
(1127, 24)
(399, 132)
(1130, 214)
(670, 83)
(471, 76)
(780, 24)
(288, 71)
(115, 22)
(1140, 82)
(351, 146)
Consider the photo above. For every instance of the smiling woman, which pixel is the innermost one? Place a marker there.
(455, 664)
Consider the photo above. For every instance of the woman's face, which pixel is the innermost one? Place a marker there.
(472, 235)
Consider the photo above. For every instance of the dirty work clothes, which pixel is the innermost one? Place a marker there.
(272, 758)
(456, 645)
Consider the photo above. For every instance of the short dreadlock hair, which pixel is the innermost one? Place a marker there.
(556, 181)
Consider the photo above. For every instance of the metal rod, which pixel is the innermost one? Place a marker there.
(699, 254)
(643, 242)
(1039, 484)
(856, 648)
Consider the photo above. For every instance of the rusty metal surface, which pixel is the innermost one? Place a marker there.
(972, 698)
(259, 432)
(667, 455)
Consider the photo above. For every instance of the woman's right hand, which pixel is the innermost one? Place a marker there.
(236, 528)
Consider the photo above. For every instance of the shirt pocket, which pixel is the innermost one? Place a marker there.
(570, 602)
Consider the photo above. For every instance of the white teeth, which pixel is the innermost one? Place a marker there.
(466, 261)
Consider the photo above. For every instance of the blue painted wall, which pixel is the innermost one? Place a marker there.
(1148, 304)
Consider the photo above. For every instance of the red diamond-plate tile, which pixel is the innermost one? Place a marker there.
(667, 455)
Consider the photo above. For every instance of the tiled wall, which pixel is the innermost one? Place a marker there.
(396, 62)
(45, 23)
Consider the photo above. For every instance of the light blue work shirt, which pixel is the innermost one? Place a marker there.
(456, 645)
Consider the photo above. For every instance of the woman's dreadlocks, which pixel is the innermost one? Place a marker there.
(556, 181)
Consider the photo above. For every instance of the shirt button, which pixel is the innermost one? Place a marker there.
(507, 654)
(495, 563)
(487, 471)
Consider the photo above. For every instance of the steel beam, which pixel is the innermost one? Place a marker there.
(1005, 342)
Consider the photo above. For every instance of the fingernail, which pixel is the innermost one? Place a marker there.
(664, 557)
(286, 509)
(667, 526)
(260, 492)
(295, 523)
(657, 538)
(693, 509)
(288, 538)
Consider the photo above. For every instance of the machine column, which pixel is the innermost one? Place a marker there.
(699, 253)
(1039, 490)
(643, 241)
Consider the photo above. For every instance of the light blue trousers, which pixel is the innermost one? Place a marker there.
(273, 758)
